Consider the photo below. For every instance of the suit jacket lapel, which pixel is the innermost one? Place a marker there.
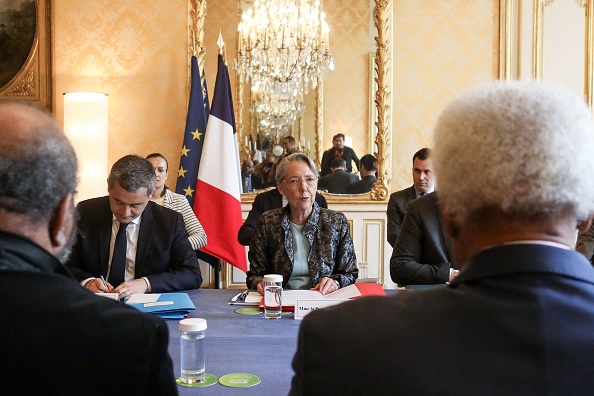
(147, 227)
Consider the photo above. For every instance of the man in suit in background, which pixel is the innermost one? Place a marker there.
(423, 183)
(422, 253)
(339, 180)
(338, 150)
(152, 253)
(249, 180)
(367, 169)
(519, 317)
(57, 337)
(264, 202)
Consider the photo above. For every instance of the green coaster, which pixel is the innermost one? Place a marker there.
(248, 311)
(239, 380)
(209, 380)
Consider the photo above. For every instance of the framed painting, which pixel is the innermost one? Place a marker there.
(25, 51)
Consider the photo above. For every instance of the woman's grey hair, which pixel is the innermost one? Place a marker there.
(524, 147)
(36, 171)
(132, 172)
(281, 169)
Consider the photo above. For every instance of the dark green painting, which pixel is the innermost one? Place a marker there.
(17, 34)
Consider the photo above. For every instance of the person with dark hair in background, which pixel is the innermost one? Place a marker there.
(249, 180)
(510, 158)
(368, 170)
(339, 180)
(338, 150)
(165, 197)
(423, 184)
(135, 244)
(56, 336)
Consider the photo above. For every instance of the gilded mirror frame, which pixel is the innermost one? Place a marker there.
(381, 134)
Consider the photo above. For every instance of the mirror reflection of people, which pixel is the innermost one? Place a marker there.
(57, 337)
(165, 197)
(310, 246)
(156, 255)
(513, 160)
(368, 170)
(338, 181)
(249, 180)
(264, 170)
(339, 150)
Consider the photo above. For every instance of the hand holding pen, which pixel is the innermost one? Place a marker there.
(99, 285)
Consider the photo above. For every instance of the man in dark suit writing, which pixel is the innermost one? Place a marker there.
(510, 159)
(57, 337)
(152, 253)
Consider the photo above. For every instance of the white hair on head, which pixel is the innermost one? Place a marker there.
(524, 147)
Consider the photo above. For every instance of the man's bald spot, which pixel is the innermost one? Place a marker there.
(22, 124)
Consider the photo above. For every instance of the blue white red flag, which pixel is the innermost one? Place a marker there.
(219, 179)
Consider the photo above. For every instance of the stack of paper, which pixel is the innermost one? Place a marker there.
(165, 305)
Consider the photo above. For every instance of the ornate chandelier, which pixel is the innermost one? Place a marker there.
(284, 46)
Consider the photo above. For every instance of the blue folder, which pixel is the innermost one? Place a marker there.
(168, 306)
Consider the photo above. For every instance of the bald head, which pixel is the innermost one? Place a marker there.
(37, 162)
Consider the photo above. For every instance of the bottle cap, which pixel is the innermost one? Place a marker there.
(273, 278)
(193, 324)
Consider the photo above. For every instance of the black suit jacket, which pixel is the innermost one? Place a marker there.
(337, 182)
(518, 320)
(164, 254)
(422, 253)
(348, 155)
(59, 338)
(362, 186)
(396, 209)
(264, 202)
(256, 182)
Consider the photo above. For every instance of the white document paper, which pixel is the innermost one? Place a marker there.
(290, 297)
(142, 298)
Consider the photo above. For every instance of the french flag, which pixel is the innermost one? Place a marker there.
(218, 202)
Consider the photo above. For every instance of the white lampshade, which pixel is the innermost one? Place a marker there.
(85, 124)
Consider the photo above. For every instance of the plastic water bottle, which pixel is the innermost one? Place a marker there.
(192, 344)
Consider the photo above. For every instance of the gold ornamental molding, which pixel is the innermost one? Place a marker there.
(26, 85)
(383, 99)
(318, 124)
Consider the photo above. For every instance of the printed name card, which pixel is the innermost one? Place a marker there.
(303, 307)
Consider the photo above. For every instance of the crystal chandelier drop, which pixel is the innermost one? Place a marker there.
(283, 46)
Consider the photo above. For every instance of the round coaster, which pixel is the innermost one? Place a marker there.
(209, 380)
(239, 380)
(287, 312)
(248, 311)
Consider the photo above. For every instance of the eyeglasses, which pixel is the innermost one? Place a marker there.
(295, 181)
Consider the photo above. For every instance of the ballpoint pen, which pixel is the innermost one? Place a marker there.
(104, 282)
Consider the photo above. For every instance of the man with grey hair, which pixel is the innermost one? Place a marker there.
(137, 245)
(56, 337)
(510, 158)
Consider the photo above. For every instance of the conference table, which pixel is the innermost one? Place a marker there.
(237, 343)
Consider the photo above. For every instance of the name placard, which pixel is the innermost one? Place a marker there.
(303, 307)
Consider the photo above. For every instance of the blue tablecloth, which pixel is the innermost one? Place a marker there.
(240, 344)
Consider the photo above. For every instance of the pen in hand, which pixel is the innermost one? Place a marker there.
(104, 283)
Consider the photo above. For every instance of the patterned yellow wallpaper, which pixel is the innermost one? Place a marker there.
(440, 49)
(134, 50)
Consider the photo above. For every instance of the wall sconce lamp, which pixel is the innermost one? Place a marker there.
(85, 124)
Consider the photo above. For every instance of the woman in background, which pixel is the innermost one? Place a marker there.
(167, 198)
